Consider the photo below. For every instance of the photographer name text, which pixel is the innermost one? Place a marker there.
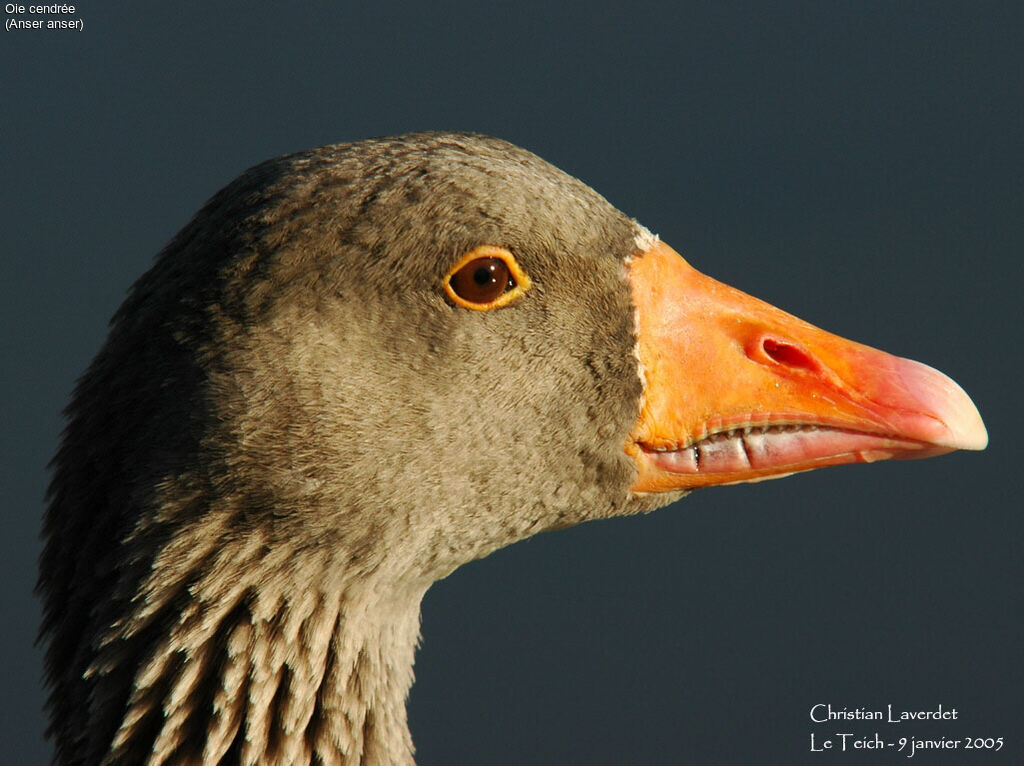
(890, 716)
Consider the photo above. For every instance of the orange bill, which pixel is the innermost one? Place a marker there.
(736, 390)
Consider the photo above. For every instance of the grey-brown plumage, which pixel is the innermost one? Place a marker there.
(291, 433)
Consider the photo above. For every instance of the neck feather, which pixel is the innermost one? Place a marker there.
(262, 665)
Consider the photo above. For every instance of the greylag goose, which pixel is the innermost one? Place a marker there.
(359, 367)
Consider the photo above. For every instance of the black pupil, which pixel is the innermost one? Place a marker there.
(483, 275)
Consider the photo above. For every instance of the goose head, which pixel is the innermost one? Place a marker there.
(358, 368)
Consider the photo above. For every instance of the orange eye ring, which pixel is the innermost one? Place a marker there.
(485, 278)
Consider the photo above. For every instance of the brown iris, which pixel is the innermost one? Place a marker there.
(482, 280)
(486, 277)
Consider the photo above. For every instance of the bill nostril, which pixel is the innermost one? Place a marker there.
(788, 354)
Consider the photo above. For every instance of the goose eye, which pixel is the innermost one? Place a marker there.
(485, 278)
(482, 280)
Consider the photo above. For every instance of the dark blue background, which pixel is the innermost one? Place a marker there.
(857, 164)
